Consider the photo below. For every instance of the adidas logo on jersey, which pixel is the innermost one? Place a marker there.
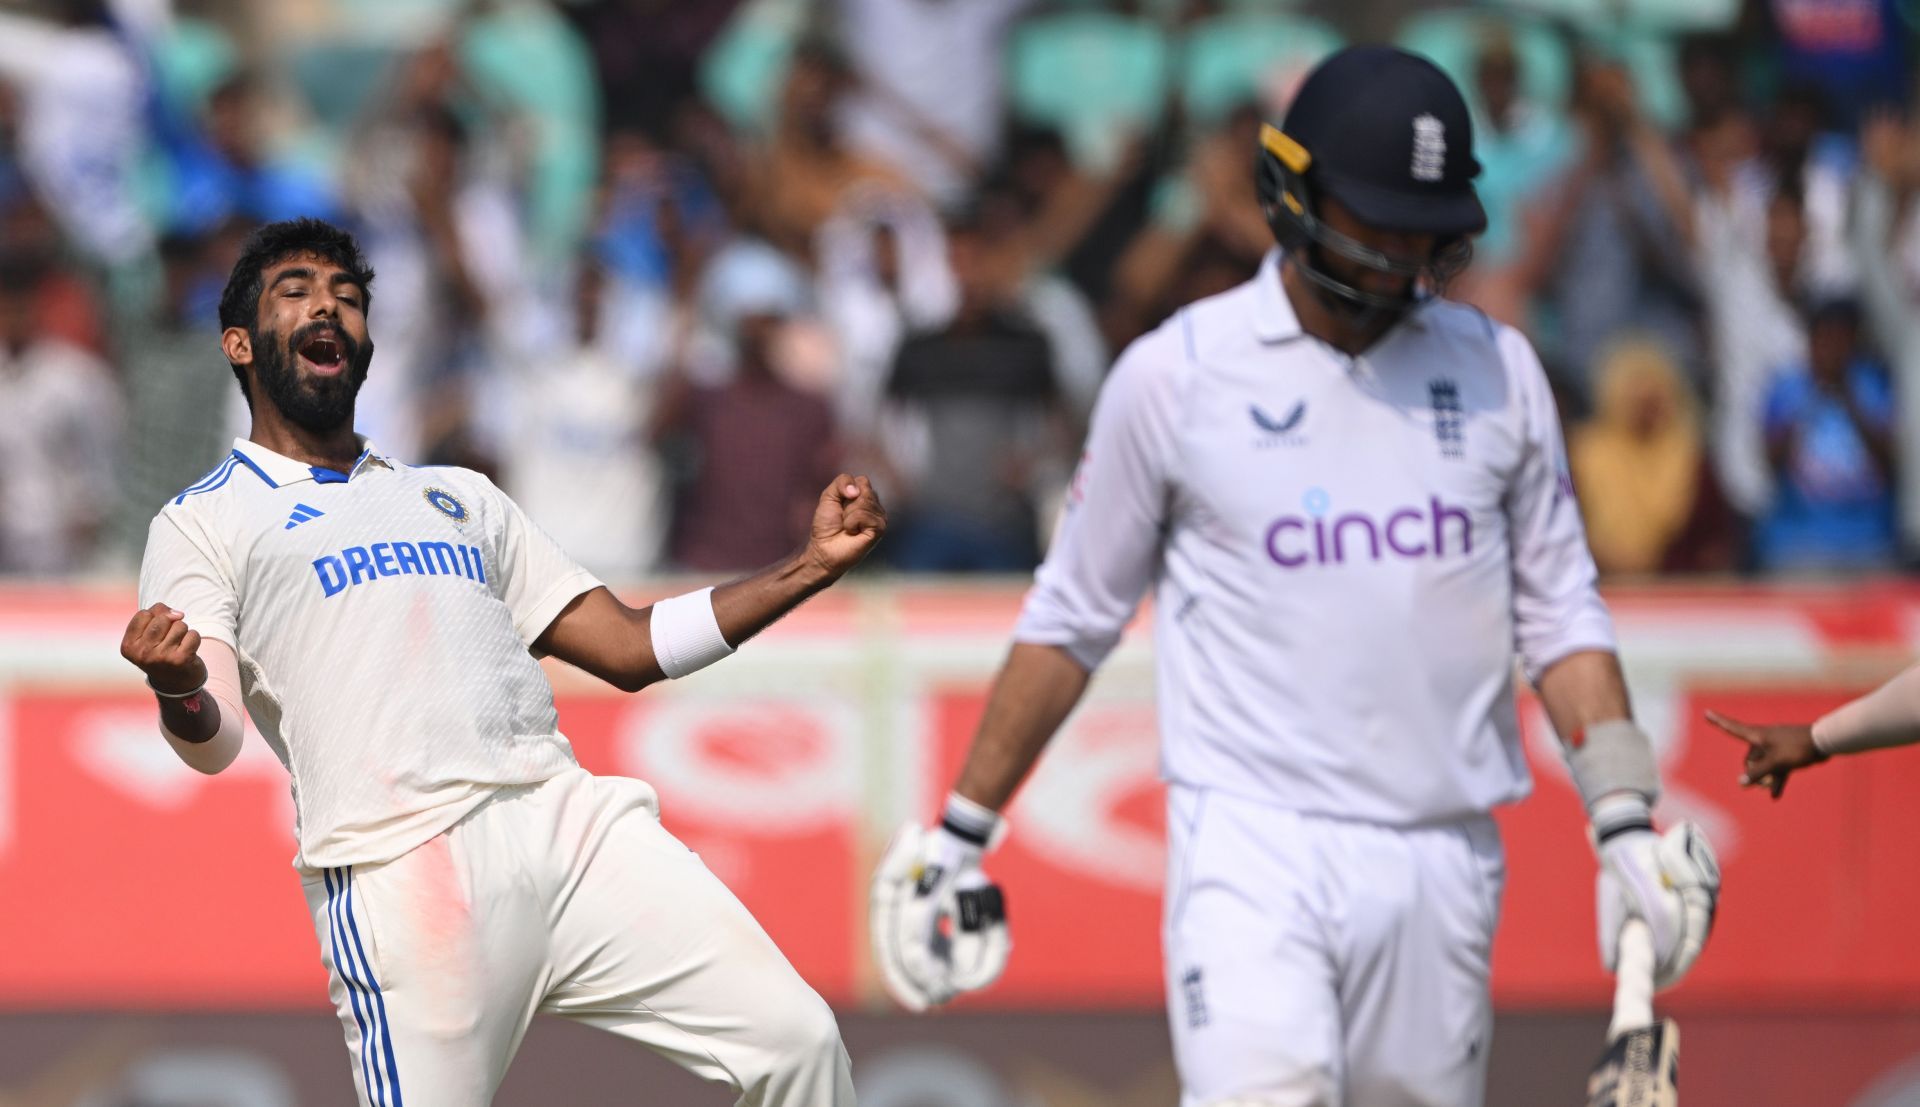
(302, 513)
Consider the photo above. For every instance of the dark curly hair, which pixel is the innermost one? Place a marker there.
(274, 243)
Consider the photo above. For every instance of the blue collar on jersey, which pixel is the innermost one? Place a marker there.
(324, 475)
(278, 470)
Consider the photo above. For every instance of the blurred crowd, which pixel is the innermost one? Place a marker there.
(662, 268)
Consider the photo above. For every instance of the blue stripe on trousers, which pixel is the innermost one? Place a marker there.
(375, 1092)
(386, 1041)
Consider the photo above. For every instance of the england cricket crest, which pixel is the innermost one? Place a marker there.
(1449, 428)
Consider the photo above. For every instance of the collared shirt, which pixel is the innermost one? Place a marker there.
(1346, 553)
(383, 619)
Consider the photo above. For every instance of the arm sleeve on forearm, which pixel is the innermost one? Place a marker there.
(223, 685)
(1887, 716)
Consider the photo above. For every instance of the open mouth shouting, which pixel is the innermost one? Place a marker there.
(324, 351)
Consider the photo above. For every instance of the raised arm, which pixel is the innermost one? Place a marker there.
(631, 647)
(196, 682)
(183, 641)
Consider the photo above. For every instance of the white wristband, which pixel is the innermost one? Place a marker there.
(968, 821)
(686, 636)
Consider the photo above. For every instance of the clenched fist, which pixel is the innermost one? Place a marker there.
(846, 524)
(159, 641)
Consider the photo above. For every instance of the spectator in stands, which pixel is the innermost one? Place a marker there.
(1802, 151)
(1219, 175)
(930, 85)
(82, 95)
(440, 222)
(1751, 253)
(1610, 244)
(975, 413)
(808, 168)
(1206, 233)
(66, 302)
(1640, 464)
(1885, 243)
(1710, 242)
(1007, 219)
(1522, 145)
(658, 222)
(647, 54)
(61, 446)
(1076, 221)
(229, 171)
(174, 378)
(659, 218)
(577, 453)
(535, 73)
(1709, 71)
(1830, 439)
(883, 274)
(1855, 53)
(759, 447)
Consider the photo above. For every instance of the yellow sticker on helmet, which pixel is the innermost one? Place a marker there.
(1291, 154)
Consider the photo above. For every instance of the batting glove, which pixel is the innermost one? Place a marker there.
(1670, 881)
(938, 925)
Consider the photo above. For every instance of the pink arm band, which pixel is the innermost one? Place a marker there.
(1887, 716)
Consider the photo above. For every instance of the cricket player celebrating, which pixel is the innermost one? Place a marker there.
(380, 622)
(1351, 501)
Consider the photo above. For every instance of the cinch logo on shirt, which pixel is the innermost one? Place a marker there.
(359, 564)
(1436, 530)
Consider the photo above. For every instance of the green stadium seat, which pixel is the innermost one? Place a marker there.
(1229, 58)
(1653, 57)
(1091, 75)
(536, 65)
(335, 77)
(1453, 40)
(395, 24)
(190, 60)
(741, 72)
(1635, 16)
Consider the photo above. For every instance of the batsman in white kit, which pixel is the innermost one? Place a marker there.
(381, 623)
(1350, 498)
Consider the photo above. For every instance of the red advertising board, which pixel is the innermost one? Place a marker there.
(133, 882)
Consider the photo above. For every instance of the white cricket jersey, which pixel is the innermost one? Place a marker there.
(1346, 553)
(383, 620)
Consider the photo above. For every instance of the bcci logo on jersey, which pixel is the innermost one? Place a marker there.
(445, 504)
(1322, 538)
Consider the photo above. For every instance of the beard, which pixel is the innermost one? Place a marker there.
(312, 403)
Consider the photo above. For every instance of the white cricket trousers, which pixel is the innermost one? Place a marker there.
(566, 897)
(1319, 962)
